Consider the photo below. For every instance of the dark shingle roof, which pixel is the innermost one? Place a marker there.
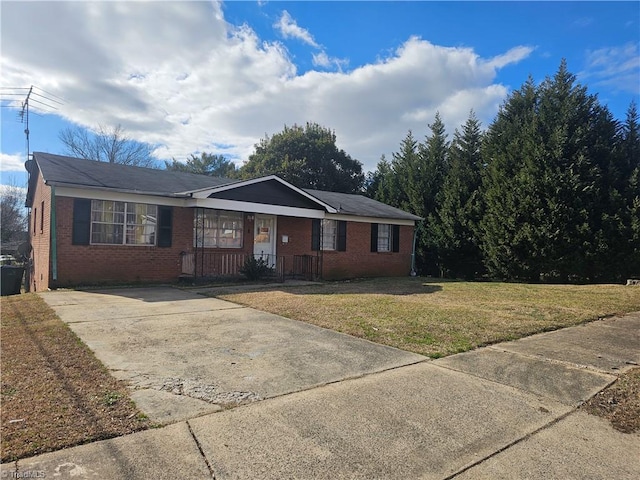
(349, 204)
(70, 171)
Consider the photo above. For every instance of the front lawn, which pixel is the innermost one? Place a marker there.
(439, 318)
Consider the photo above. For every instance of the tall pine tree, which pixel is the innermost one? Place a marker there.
(425, 184)
(455, 224)
(548, 153)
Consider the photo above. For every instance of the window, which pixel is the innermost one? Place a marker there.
(123, 223)
(42, 217)
(35, 219)
(217, 228)
(329, 233)
(384, 237)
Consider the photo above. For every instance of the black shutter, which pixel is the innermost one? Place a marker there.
(315, 234)
(374, 237)
(395, 239)
(341, 241)
(81, 221)
(165, 224)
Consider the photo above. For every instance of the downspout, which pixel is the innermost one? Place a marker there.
(321, 250)
(413, 252)
(195, 249)
(52, 232)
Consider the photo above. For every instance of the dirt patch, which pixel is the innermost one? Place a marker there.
(619, 403)
(55, 393)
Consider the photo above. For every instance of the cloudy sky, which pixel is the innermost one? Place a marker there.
(193, 76)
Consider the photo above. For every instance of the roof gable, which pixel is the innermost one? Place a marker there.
(270, 192)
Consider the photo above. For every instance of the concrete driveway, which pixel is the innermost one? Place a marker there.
(508, 411)
(185, 355)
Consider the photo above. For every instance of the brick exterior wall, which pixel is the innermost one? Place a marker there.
(105, 264)
(40, 237)
(356, 261)
(97, 264)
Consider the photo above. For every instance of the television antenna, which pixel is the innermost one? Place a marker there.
(36, 100)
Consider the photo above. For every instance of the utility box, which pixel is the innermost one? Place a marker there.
(11, 279)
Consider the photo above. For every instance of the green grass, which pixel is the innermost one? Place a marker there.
(439, 318)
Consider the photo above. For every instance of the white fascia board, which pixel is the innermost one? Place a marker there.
(357, 218)
(247, 207)
(98, 194)
(230, 186)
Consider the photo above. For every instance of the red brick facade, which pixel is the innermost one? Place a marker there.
(356, 261)
(39, 277)
(104, 264)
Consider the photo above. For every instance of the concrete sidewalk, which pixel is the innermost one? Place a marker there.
(507, 411)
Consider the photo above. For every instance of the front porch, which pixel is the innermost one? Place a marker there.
(205, 265)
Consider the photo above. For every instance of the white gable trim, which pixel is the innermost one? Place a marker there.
(206, 192)
(248, 207)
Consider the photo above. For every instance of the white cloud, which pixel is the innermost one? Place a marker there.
(321, 59)
(617, 67)
(288, 28)
(177, 75)
(514, 55)
(12, 162)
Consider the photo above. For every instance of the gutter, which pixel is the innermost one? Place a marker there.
(413, 272)
(119, 190)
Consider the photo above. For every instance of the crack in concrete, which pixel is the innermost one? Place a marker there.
(204, 457)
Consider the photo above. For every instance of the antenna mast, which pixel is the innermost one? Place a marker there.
(24, 118)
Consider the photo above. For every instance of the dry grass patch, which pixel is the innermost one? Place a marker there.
(55, 393)
(439, 318)
(619, 403)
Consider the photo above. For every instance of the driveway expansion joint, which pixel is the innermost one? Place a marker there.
(578, 366)
(511, 444)
(204, 457)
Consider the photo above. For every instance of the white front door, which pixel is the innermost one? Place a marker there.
(264, 238)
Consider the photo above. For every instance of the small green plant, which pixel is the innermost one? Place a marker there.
(255, 268)
(111, 398)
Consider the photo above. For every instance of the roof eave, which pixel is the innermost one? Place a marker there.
(119, 190)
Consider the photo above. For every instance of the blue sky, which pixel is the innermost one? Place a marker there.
(194, 76)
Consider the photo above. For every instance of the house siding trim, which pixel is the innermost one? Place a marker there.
(247, 207)
(114, 195)
(360, 219)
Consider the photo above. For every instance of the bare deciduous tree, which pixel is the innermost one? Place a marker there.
(107, 145)
(13, 215)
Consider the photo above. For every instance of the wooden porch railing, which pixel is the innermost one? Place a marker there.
(212, 265)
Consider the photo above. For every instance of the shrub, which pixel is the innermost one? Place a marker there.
(255, 268)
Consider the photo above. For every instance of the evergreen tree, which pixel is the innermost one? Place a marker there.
(425, 185)
(206, 164)
(456, 220)
(545, 187)
(626, 194)
(398, 186)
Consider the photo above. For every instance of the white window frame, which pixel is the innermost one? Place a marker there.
(384, 237)
(329, 237)
(124, 219)
(218, 229)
